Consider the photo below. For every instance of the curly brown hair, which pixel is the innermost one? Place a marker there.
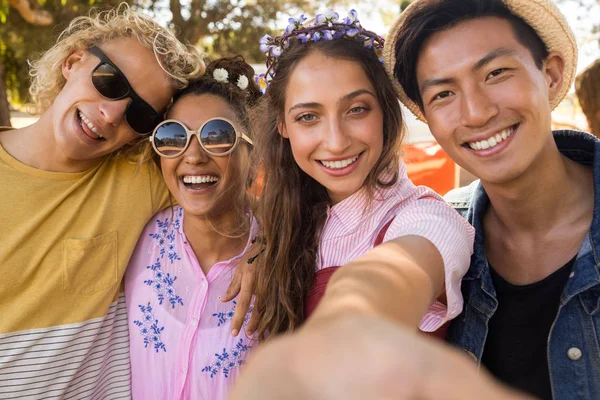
(240, 101)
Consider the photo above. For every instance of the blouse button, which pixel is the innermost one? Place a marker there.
(194, 321)
(574, 353)
(572, 274)
(183, 370)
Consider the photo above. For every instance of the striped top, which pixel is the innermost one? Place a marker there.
(352, 227)
(87, 360)
(65, 241)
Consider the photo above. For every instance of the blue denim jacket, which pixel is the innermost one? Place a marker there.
(574, 340)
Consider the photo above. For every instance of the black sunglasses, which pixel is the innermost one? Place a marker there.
(112, 84)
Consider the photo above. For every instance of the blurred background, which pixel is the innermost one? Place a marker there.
(227, 27)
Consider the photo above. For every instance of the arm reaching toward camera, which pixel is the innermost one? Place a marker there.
(363, 357)
(396, 280)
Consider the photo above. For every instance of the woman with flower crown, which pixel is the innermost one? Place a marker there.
(336, 191)
(180, 341)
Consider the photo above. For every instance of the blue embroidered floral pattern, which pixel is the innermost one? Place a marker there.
(223, 317)
(165, 237)
(162, 283)
(226, 361)
(149, 329)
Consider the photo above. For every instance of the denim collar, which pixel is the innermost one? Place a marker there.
(584, 149)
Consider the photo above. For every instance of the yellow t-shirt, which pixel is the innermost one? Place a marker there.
(65, 241)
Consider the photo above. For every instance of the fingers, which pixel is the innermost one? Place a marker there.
(241, 309)
(243, 301)
(234, 286)
(242, 269)
(252, 324)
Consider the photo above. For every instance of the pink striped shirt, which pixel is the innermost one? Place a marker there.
(179, 330)
(352, 227)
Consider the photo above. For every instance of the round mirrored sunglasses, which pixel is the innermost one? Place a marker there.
(217, 136)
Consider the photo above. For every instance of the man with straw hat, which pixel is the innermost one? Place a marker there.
(485, 75)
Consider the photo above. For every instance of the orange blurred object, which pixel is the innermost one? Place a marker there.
(427, 164)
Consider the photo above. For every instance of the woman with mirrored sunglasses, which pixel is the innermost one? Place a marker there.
(180, 341)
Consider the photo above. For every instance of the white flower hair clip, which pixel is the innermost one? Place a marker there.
(221, 75)
(242, 82)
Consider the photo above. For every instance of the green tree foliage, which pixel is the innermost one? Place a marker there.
(404, 4)
(224, 27)
(219, 27)
(21, 40)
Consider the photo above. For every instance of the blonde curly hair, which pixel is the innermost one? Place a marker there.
(181, 63)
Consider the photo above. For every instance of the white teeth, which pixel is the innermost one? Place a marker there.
(90, 125)
(339, 164)
(200, 179)
(492, 141)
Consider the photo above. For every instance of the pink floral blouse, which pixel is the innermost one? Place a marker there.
(179, 330)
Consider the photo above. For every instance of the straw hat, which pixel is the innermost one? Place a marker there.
(542, 15)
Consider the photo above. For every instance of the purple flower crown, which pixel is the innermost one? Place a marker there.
(326, 26)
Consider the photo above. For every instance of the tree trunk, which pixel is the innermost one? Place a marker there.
(32, 15)
(4, 111)
(587, 87)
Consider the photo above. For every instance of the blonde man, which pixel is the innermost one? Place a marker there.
(75, 202)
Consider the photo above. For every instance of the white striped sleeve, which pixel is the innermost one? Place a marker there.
(88, 360)
(425, 214)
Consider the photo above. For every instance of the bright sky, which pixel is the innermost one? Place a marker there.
(378, 15)
(378, 19)
(581, 20)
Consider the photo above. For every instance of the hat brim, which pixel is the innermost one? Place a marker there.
(542, 15)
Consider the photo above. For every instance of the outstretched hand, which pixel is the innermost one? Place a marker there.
(361, 357)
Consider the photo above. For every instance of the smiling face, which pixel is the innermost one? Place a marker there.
(485, 100)
(87, 126)
(334, 123)
(199, 181)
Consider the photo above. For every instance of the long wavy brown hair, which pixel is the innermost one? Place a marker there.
(293, 206)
